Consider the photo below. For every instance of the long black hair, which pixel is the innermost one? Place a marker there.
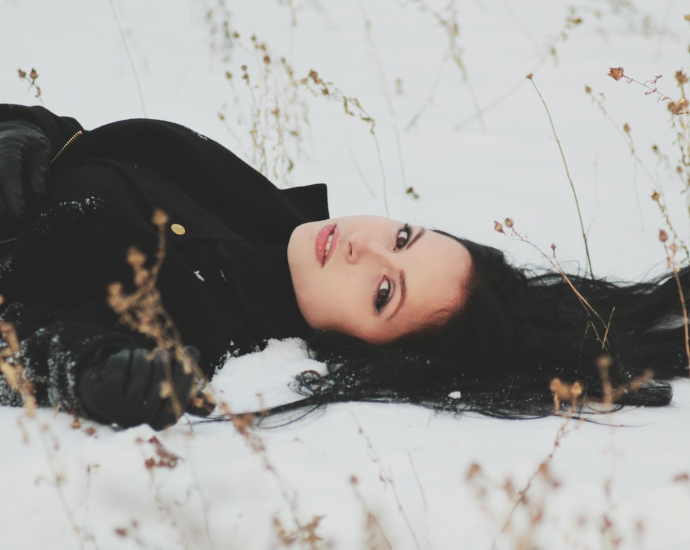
(519, 338)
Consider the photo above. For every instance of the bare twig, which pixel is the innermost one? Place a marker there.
(372, 527)
(530, 77)
(129, 56)
(320, 87)
(679, 107)
(563, 431)
(57, 480)
(571, 22)
(419, 483)
(451, 26)
(387, 479)
(553, 260)
(361, 174)
(31, 78)
(673, 266)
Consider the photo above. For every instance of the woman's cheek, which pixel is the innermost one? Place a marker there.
(320, 304)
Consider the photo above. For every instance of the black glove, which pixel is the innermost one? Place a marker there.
(124, 388)
(24, 166)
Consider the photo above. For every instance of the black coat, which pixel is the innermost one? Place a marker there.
(224, 281)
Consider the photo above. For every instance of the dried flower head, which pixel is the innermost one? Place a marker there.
(604, 362)
(473, 471)
(679, 107)
(159, 218)
(616, 73)
(135, 257)
(576, 390)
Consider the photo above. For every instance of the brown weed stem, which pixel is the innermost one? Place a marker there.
(530, 77)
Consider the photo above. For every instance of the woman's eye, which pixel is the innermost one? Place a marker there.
(383, 293)
(403, 237)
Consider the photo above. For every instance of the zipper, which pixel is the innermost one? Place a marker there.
(8, 240)
(66, 145)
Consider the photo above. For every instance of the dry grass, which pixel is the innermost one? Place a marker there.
(15, 374)
(132, 65)
(386, 477)
(273, 113)
(374, 536)
(31, 79)
(13, 369)
(530, 77)
(143, 312)
(268, 107)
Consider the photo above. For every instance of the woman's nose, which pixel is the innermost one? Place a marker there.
(360, 245)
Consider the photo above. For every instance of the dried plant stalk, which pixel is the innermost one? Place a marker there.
(143, 311)
(12, 367)
(530, 77)
(679, 107)
(352, 106)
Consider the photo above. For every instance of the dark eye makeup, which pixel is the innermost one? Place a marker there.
(384, 291)
(404, 234)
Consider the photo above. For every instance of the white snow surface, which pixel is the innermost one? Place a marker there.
(617, 484)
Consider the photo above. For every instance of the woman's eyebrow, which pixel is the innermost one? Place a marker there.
(415, 238)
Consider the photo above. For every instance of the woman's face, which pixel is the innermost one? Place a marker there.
(375, 278)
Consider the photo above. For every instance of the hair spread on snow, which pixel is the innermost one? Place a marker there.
(516, 332)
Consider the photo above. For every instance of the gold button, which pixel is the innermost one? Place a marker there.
(178, 229)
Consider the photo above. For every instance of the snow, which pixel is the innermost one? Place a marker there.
(621, 478)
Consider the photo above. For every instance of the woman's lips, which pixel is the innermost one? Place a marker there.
(322, 240)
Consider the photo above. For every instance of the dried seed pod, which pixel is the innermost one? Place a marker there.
(616, 73)
(159, 218)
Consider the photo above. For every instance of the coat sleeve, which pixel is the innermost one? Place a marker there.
(55, 351)
(54, 288)
(55, 283)
(57, 129)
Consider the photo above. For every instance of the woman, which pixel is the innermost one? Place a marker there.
(397, 313)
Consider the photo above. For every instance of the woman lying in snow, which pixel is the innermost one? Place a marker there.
(398, 313)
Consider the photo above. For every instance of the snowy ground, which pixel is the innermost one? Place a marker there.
(607, 487)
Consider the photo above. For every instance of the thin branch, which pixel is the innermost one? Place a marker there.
(567, 172)
(521, 25)
(387, 479)
(361, 174)
(430, 96)
(419, 482)
(562, 432)
(384, 86)
(129, 56)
